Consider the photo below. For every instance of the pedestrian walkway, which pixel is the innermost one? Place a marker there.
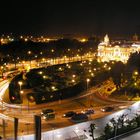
(135, 136)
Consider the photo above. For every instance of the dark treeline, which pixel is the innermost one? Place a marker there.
(126, 77)
(18, 50)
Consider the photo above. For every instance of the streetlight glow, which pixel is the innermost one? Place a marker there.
(29, 52)
(136, 73)
(20, 84)
(88, 80)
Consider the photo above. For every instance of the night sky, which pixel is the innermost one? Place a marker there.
(78, 17)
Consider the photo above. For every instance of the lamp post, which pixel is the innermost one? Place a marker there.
(1, 103)
(87, 80)
(21, 92)
(60, 98)
(28, 104)
(2, 69)
(115, 131)
(20, 84)
(29, 53)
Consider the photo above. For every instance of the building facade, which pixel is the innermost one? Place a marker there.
(116, 52)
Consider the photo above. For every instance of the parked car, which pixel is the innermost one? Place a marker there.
(69, 114)
(107, 109)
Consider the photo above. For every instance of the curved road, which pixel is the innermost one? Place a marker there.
(26, 117)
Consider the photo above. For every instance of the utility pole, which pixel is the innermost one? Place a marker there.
(4, 125)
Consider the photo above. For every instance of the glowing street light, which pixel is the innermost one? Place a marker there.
(44, 77)
(136, 73)
(92, 74)
(109, 68)
(40, 72)
(21, 92)
(73, 75)
(73, 81)
(20, 84)
(87, 80)
(90, 71)
(52, 50)
(29, 53)
(53, 87)
(135, 84)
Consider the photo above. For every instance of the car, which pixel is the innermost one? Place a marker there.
(79, 117)
(88, 111)
(49, 116)
(107, 109)
(69, 114)
(46, 111)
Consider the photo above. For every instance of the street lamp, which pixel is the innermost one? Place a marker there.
(136, 73)
(2, 69)
(29, 53)
(1, 103)
(60, 98)
(28, 104)
(73, 81)
(87, 80)
(116, 125)
(20, 84)
(21, 93)
(53, 88)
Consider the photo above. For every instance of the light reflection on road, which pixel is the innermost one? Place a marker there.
(77, 130)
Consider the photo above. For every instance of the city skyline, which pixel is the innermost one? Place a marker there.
(69, 69)
(80, 18)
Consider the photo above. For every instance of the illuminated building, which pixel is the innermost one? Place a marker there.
(116, 52)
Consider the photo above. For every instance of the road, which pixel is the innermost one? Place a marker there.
(93, 96)
(27, 117)
(78, 130)
(52, 61)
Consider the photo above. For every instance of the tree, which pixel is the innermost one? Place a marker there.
(117, 73)
(137, 119)
(108, 131)
(121, 120)
(92, 128)
(114, 123)
(134, 61)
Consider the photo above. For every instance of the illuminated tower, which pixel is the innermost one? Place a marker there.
(106, 40)
(135, 37)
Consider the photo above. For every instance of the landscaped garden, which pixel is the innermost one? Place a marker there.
(57, 82)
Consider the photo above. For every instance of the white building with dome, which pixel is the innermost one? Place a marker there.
(116, 52)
